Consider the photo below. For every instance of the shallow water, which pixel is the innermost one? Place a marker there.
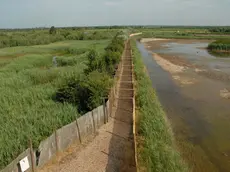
(199, 116)
(188, 49)
(196, 53)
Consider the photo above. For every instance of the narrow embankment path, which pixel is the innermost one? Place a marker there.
(112, 149)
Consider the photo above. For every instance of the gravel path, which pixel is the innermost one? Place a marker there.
(112, 149)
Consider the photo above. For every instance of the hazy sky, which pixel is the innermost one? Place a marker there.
(40, 13)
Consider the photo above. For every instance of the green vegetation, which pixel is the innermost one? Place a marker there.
(225, 30)
(28, 37)
(29, 82)
(156, 149)
(220, 46)
(87, 91)
(180, 33)
(40, 93)
(39, 36)
(52, 30)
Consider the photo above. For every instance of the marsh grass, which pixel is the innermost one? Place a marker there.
(221, 46)
(27, 86)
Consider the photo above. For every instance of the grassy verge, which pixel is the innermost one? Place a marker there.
(156, 151)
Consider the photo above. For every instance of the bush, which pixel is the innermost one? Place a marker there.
(109, 60)
(86, 92)
(220, 45)
(113, 53)
(94, 62)
(75, 51)
(52, 30)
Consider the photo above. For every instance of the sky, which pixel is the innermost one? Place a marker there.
(61, 13)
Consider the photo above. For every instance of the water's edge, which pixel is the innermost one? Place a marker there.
(185, 115)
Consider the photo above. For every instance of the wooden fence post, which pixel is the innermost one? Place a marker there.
(78, 131)
(104, 110)
(107, 113)
(94, 126)
(32, 155)
(56, 141)
(114, 92)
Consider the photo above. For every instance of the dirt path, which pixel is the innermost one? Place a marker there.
(112, 149)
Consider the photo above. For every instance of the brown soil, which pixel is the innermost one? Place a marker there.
(113, 148)
(175, 59)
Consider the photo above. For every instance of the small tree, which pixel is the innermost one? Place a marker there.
(81, 36)
(52, 30)
(93, 61)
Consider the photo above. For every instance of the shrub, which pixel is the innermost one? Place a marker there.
(113, 53)
(86, 92)
(75, 51)
(52, 30)
(94, 62)
(220, 45)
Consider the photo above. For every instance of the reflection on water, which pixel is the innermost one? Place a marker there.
(220, 54)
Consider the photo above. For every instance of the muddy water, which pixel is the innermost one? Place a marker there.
(200, 118)
(197, 53)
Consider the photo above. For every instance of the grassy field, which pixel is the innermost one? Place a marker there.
(156, 149)
(28, 37)
(28, 82)
(181, 33)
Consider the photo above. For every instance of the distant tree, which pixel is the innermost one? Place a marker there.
(52, 30)
(81, 36)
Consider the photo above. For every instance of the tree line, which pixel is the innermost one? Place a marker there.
(220, 30)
